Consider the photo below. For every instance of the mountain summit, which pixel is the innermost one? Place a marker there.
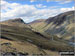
(59, 19)
(16, 20)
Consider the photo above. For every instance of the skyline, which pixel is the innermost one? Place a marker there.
(30, 11)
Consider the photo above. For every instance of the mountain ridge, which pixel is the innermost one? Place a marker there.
(58, 25)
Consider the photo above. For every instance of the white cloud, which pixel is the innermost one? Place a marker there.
(32, 0)
(63, 1)
(28, 12)
(67, 9)
(40, 6)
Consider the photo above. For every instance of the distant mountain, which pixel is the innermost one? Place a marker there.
(61, 25)
(37, 21)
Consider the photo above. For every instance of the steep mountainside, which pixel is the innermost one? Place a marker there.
(17, 31)
(61, 25)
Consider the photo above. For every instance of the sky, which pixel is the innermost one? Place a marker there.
(30, 10)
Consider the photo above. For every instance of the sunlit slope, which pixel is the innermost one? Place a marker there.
(23, 47)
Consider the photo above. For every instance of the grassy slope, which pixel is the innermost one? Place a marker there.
(24, 47)
(25, 34)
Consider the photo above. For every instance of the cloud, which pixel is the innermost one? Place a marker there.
(32, 0)
(40, 6)
(67, 9)
(28, 12)
(63, 1)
